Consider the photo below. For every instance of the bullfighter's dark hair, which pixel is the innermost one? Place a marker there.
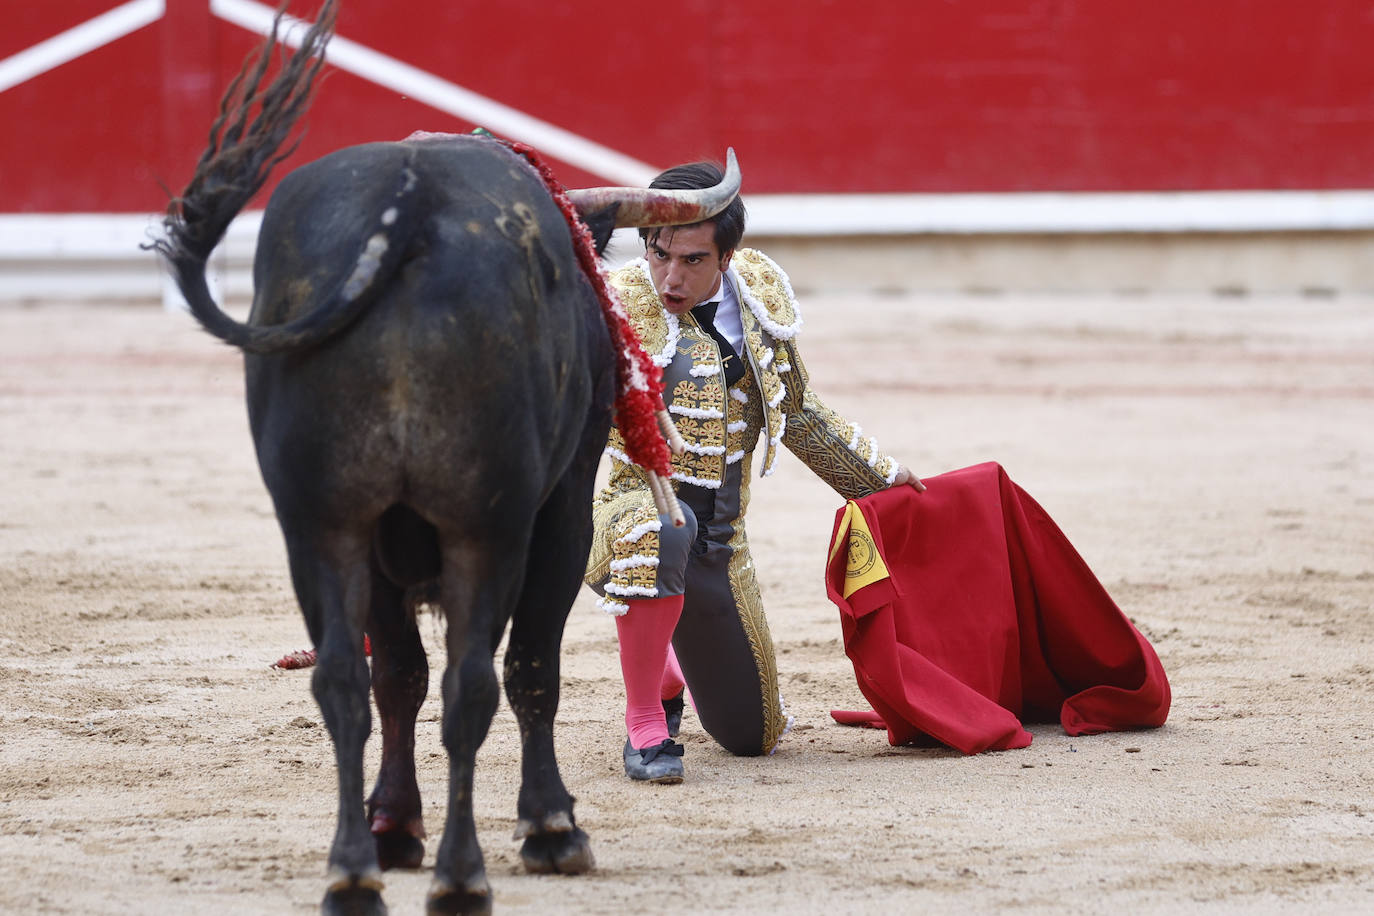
(729, 223)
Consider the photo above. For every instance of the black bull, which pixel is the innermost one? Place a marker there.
(454, 428)
(430, 383)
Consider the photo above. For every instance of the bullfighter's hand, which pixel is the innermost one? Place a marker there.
(905, 477)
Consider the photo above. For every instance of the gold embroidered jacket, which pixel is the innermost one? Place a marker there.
(721, 424)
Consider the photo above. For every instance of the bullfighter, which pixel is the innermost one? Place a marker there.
(722, 322)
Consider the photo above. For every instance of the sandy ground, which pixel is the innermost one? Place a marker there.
(1213, 459)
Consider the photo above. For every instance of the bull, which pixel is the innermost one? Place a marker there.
(429, 385)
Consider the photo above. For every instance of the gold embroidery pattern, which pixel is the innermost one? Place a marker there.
(703, 433)
(638, 573)
(686, 394)
(746, 419)
(703, 470)
(749, 604)
(766, 284)
(698, 408)
(866, 452)
(642, 307)
(624, 476)
(623, 503)
(772, 387)
(617, 515)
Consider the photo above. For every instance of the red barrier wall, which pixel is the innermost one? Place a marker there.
(883, 96)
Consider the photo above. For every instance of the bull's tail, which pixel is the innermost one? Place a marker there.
(246, 142)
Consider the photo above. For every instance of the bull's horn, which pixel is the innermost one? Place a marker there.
(655, 207)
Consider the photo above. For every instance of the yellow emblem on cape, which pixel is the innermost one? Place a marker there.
(863, 565)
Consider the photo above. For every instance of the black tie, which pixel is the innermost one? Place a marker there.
(705, 314)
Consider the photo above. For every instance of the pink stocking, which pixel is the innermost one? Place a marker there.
(646, 633)
(673, 681)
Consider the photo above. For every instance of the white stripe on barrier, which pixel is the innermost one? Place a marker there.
(47, 255)
(116, 236)
(1069, 212)
(82, 39)
(448, 97)
(102, 236)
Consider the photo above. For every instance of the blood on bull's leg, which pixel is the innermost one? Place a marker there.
(400, 679)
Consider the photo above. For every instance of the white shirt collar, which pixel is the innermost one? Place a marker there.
(728, 320)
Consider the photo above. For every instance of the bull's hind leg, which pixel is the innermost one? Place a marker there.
(558, 554)
(476, 591)
(400, 679)
(333, 583)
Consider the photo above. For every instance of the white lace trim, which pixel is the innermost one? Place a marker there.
(706, 449)
(630, 591)
(779, 331)
(740, 396)
(872, 452)
(773, 444)
(688, 478)
(617, 454)
(766, 358)
(637, 381)
(736, 427)
(704, 370)
(892, 474)
(777, 398)
(613, 607)
(633, 562)
(638, 531)
(854, 431)
(791, 720)
(734, 457)
(784, 366)
(664, 356)
(700, 413)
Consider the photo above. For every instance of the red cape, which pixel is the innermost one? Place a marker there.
(988, 618)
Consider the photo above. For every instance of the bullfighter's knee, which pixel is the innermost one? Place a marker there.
(740, 729)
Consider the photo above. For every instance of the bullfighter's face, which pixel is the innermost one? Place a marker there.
(685, 265)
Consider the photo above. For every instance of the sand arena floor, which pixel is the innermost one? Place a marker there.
(1213, 459)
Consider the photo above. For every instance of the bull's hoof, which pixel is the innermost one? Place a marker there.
(565, 853)
(556, 822)
(399, 849)
(358, 895)
(445, 899)
(399, 843)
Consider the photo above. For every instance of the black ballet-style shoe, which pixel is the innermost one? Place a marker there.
(661, 764)
(672, 711)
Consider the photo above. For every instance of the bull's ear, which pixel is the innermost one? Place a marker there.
(601, 223)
